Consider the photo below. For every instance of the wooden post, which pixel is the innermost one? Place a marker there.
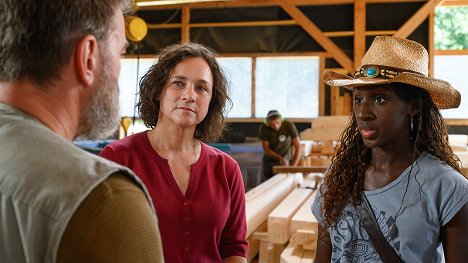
(279, 220)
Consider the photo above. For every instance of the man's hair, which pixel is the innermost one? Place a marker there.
(40, 36)
(344, 182)
(155, 81)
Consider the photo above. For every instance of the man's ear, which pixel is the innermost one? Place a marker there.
(86, 56)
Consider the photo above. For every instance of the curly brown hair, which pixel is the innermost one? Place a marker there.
(343, 183)
(156, 80)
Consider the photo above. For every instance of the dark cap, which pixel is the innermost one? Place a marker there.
(273, 114)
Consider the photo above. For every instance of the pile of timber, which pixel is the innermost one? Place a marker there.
(280, 225)
(324, 134)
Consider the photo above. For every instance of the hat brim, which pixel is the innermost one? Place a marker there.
(442, 93)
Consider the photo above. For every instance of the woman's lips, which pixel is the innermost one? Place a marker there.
(367, 133)
(186, 109)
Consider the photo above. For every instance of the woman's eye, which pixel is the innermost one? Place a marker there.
(203, 88)
(357, 100)
(380, 99)
(178, 83)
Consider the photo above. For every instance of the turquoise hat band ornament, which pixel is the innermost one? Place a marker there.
(377, 71)
(371, 72)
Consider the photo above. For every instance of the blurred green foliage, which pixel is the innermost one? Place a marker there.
(451, 28)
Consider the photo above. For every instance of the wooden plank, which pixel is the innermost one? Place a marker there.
(416, 20)
(257, 210)
(185, 31)
(348, 104)
(279, 220)
(359, 31)
(458, 139)
(325, 134)
(454, 2)
(431, 42)
(336, 121)
(269, 252)
(254, 242)
(308, 256)
(321, 91)
(304, 219)
(463, 156)
(300, 169)
(259, 189)
(257, 3)
(334, 94)
(317, 34)
(305, 238)
(292, 254)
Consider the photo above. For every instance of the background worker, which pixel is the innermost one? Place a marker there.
(278, 135)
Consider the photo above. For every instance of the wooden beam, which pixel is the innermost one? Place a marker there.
(185, 31)
(257, 3)
(317, 34)
(359, 31)
(321, 91)
(304, 219)
(451, 52)
(258, 209)
(454, 2)
(267, 23)
(416, 20)
(431, 42)
(269, 252)
(254, 242)
(279, 220)
(263, 187)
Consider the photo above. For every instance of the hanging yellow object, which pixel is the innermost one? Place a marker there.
(135, 28)
(126, 122)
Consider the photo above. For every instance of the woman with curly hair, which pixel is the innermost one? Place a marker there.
(197, 190)
(395, 159)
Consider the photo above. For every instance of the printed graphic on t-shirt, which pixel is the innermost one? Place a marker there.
(351, 243)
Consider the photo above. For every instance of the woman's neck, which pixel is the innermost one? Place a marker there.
(164, 137)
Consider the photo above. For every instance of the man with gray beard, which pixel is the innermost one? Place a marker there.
(59, 69)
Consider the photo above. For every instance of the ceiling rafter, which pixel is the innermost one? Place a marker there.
(416, 20)
(258, 3)
(318, 35)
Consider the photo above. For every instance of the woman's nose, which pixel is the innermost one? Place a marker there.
(189, 93)
(363, 111)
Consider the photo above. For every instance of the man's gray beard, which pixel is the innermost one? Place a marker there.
(101, 117)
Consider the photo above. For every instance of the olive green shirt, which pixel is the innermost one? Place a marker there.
(280, 141)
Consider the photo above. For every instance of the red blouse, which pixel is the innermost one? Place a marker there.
(208, 223)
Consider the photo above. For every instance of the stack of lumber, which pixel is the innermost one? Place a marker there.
(325, 132)
(288, 228)
(261, 201)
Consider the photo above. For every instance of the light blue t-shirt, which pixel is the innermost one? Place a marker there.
(435, 194)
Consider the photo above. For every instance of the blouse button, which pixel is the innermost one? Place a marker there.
(186, 203)
(187, 248)
(187, 219)
(187, 233)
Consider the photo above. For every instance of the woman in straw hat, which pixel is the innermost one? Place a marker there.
(395, 159)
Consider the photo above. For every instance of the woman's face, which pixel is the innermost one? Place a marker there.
(383, 118)
(187, 95)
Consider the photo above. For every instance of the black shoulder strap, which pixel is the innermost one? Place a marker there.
(386, 252)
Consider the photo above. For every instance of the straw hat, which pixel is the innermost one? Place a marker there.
(391, 59)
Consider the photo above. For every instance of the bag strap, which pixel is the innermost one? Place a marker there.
(365, 213)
